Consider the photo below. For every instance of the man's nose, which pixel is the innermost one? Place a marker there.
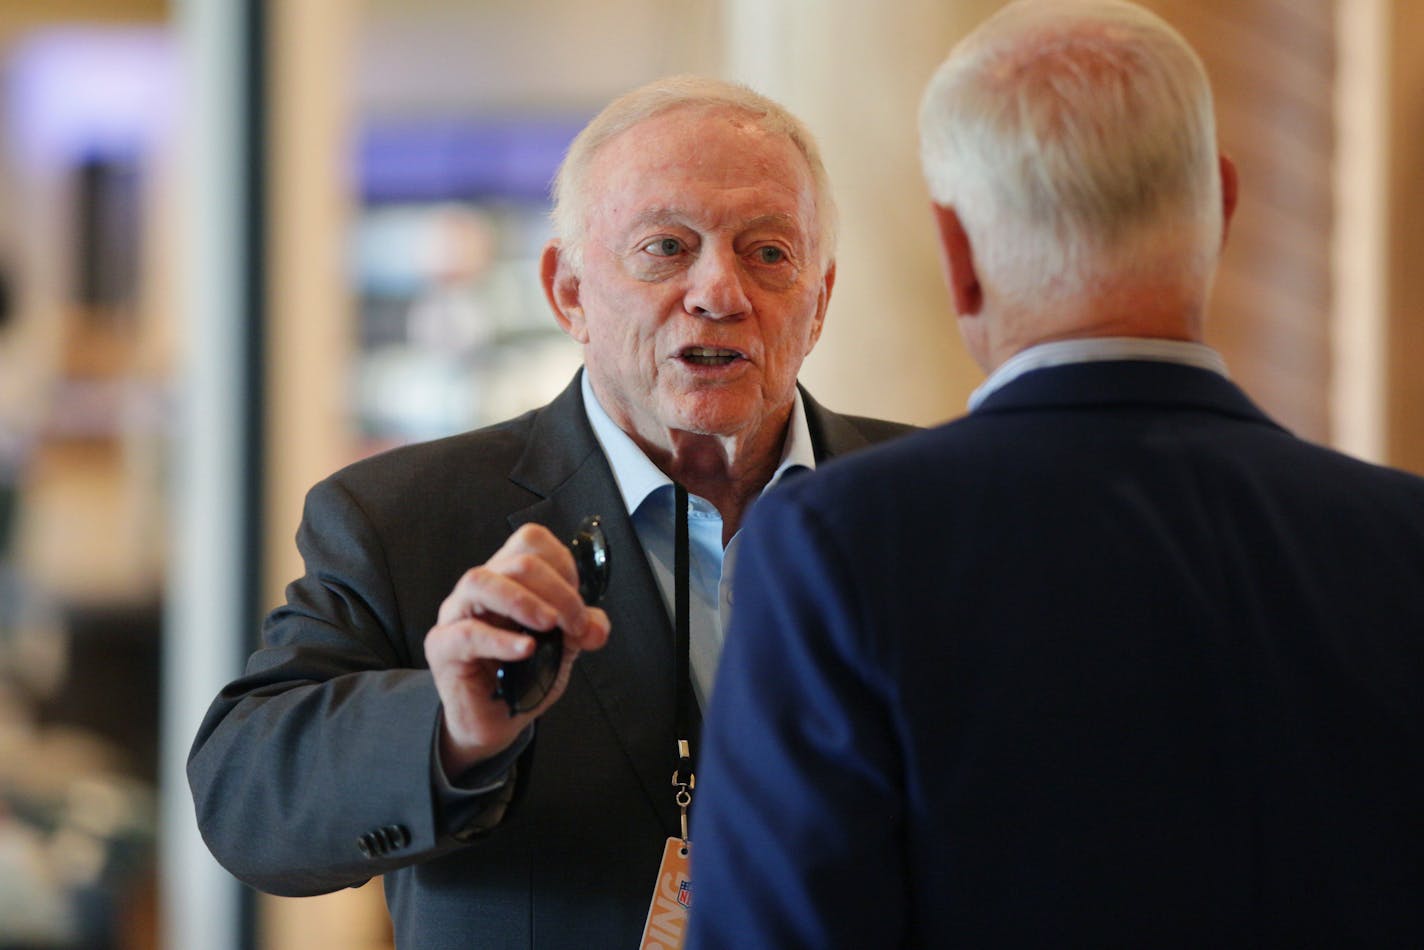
(715, 291)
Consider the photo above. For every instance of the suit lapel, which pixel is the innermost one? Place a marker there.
(632, 677)
(831, 434)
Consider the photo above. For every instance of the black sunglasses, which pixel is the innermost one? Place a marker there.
(523, 684)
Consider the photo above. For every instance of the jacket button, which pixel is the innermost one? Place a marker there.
(383, 840)
(391, 838)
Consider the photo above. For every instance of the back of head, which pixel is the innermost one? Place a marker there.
(570, 190)
(1076, 141)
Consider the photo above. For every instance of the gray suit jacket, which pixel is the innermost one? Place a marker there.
(313, 770)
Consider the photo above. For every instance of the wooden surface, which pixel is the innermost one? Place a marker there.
(1404, 320)
(1271, 64)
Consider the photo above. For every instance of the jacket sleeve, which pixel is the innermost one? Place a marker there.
(798, 820)
(313, 771)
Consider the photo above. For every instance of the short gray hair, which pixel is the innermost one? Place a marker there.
(1075, 139)
(570, 197)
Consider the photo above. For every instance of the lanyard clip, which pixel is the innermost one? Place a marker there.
(684, 787)
(684, 762)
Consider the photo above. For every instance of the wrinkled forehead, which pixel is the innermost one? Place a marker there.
(703, 162)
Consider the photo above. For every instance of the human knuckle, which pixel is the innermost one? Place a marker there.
(522, 566)
(528, 536)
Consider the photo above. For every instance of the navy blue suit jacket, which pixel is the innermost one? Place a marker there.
(1112, 661)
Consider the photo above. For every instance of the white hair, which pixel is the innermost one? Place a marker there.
(570, 194)
(1076, 141)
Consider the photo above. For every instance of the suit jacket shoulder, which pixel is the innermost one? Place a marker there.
(835, 434)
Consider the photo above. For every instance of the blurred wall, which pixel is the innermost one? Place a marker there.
(1404, 235)
(1272, 67)
(83, 360)
(854, 72)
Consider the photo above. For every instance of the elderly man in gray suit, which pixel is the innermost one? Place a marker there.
(371, 735)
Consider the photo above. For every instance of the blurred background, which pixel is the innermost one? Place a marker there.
(244, 243)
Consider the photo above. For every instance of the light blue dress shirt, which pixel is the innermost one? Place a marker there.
(648, 495)
(1098, 349)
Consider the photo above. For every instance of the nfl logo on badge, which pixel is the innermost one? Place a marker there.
(684, 893)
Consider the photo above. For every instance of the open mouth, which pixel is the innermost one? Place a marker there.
(709, 356)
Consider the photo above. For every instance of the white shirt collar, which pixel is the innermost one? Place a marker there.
(1098, 349)
(638, 477)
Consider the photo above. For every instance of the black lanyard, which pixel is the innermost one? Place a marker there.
(682, 643)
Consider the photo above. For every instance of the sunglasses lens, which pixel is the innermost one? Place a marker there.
(524, 684)
(590, 551)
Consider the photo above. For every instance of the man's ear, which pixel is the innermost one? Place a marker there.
(1229, 185)
(561, 289)
(958, 259)
(828, 283)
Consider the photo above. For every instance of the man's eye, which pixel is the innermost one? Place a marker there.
(664, 247)
(770, 254)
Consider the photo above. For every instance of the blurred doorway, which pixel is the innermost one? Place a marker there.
(86, 122)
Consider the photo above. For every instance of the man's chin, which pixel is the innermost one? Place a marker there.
(724, 411)
(722, 418)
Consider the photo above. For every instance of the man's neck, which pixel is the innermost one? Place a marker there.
(728, 471)
(1151, 313)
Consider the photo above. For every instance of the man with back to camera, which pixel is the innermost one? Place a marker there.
(694, 262)
(1114, 660)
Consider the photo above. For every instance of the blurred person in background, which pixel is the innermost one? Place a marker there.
(1114, 660)
(694, 261)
